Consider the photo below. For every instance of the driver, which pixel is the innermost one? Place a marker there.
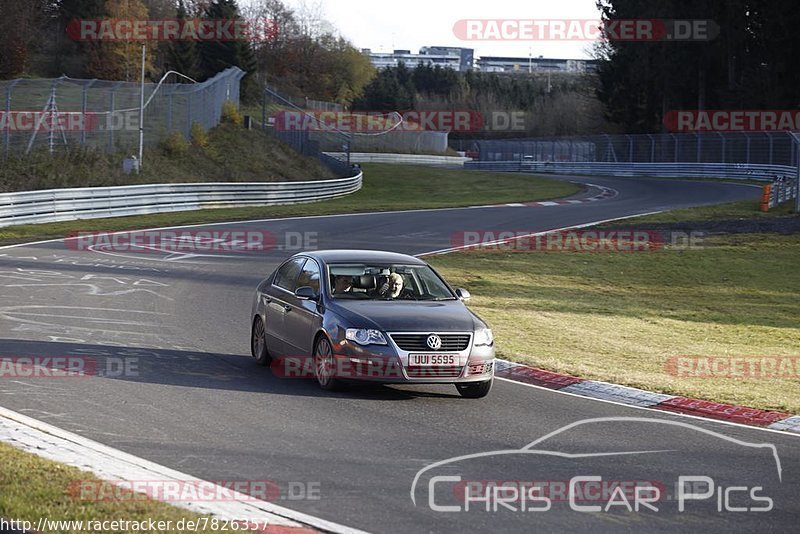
(342, 284)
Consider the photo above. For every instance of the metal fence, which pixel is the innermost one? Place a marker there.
(404, 159)
(304, 102)
(56, 114)
(767, 148)
(311, 140)
(301, 140)
(743, 171)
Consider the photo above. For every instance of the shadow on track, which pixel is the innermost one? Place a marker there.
(32, 361)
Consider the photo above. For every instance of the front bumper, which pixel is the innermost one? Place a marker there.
(389, 364)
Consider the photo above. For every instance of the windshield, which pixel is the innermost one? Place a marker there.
(386, 282)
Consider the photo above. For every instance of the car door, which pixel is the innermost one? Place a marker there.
(302, 318)
(276, 304)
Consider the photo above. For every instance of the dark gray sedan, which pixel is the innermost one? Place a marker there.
(341, 315)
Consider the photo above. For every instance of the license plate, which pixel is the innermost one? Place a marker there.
(432, 360)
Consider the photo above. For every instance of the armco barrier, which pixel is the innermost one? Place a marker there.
(664, 170)
(55, 205)
(408, 159)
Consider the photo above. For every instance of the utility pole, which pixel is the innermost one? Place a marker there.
(141, 112)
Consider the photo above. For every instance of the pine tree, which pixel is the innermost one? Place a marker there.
(182, 55)
(216, 56)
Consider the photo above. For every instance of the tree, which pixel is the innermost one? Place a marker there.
(120, 59)
(182, 55)
(20, 31)
(391, 90)
(216, 56)
(748, 65)
(71, 57)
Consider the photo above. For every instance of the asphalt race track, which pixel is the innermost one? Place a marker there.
(199, 403)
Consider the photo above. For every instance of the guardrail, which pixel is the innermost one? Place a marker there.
(408, 159)
(663, 170)
(55, 205)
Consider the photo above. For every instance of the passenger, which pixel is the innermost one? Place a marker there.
(393, 288)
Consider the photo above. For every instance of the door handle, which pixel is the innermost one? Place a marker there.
(287, 308)
(267, 300)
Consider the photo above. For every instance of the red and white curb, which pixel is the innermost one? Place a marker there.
(605, 194)
(113, 465)
(645, 399)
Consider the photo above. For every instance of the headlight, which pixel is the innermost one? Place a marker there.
(363, 336)
(484, 337)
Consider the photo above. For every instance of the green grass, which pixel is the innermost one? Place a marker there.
(620, 317)
(32, 487)
(386, 187)
(743, 210)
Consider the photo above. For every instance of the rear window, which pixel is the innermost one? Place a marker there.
(286, 276)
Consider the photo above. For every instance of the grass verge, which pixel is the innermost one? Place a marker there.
(386, 187)
(226, 153)
(32, 488)
(745, 210)
(620, 317)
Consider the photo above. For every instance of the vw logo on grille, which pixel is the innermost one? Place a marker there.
(434, 342)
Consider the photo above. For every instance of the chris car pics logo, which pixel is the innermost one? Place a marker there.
(659, 482)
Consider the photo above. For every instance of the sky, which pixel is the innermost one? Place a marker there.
(383, 25)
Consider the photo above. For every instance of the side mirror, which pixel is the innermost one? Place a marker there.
(463, 295)
(306, 293)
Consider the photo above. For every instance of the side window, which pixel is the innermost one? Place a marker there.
(309, 276)
(286, 277)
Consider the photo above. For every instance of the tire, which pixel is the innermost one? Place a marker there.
(258, 343)
(476, 390)
(325, 365)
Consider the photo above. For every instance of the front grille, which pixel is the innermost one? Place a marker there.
(416, 342)
(451, 371)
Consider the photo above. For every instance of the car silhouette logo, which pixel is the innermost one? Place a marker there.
(434, 342)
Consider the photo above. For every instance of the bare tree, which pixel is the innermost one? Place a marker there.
(311, 21)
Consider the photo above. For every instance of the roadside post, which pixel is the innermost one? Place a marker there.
(796, 187)
(766, 197)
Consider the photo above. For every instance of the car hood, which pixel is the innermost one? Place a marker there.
(408, 316)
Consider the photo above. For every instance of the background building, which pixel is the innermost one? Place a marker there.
(460, 59)
(463, 59)
(535, 64)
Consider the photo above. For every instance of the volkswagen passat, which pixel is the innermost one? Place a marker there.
(341, 315)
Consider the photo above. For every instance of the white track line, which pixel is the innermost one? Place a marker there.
(543, 232)
(651, 410)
